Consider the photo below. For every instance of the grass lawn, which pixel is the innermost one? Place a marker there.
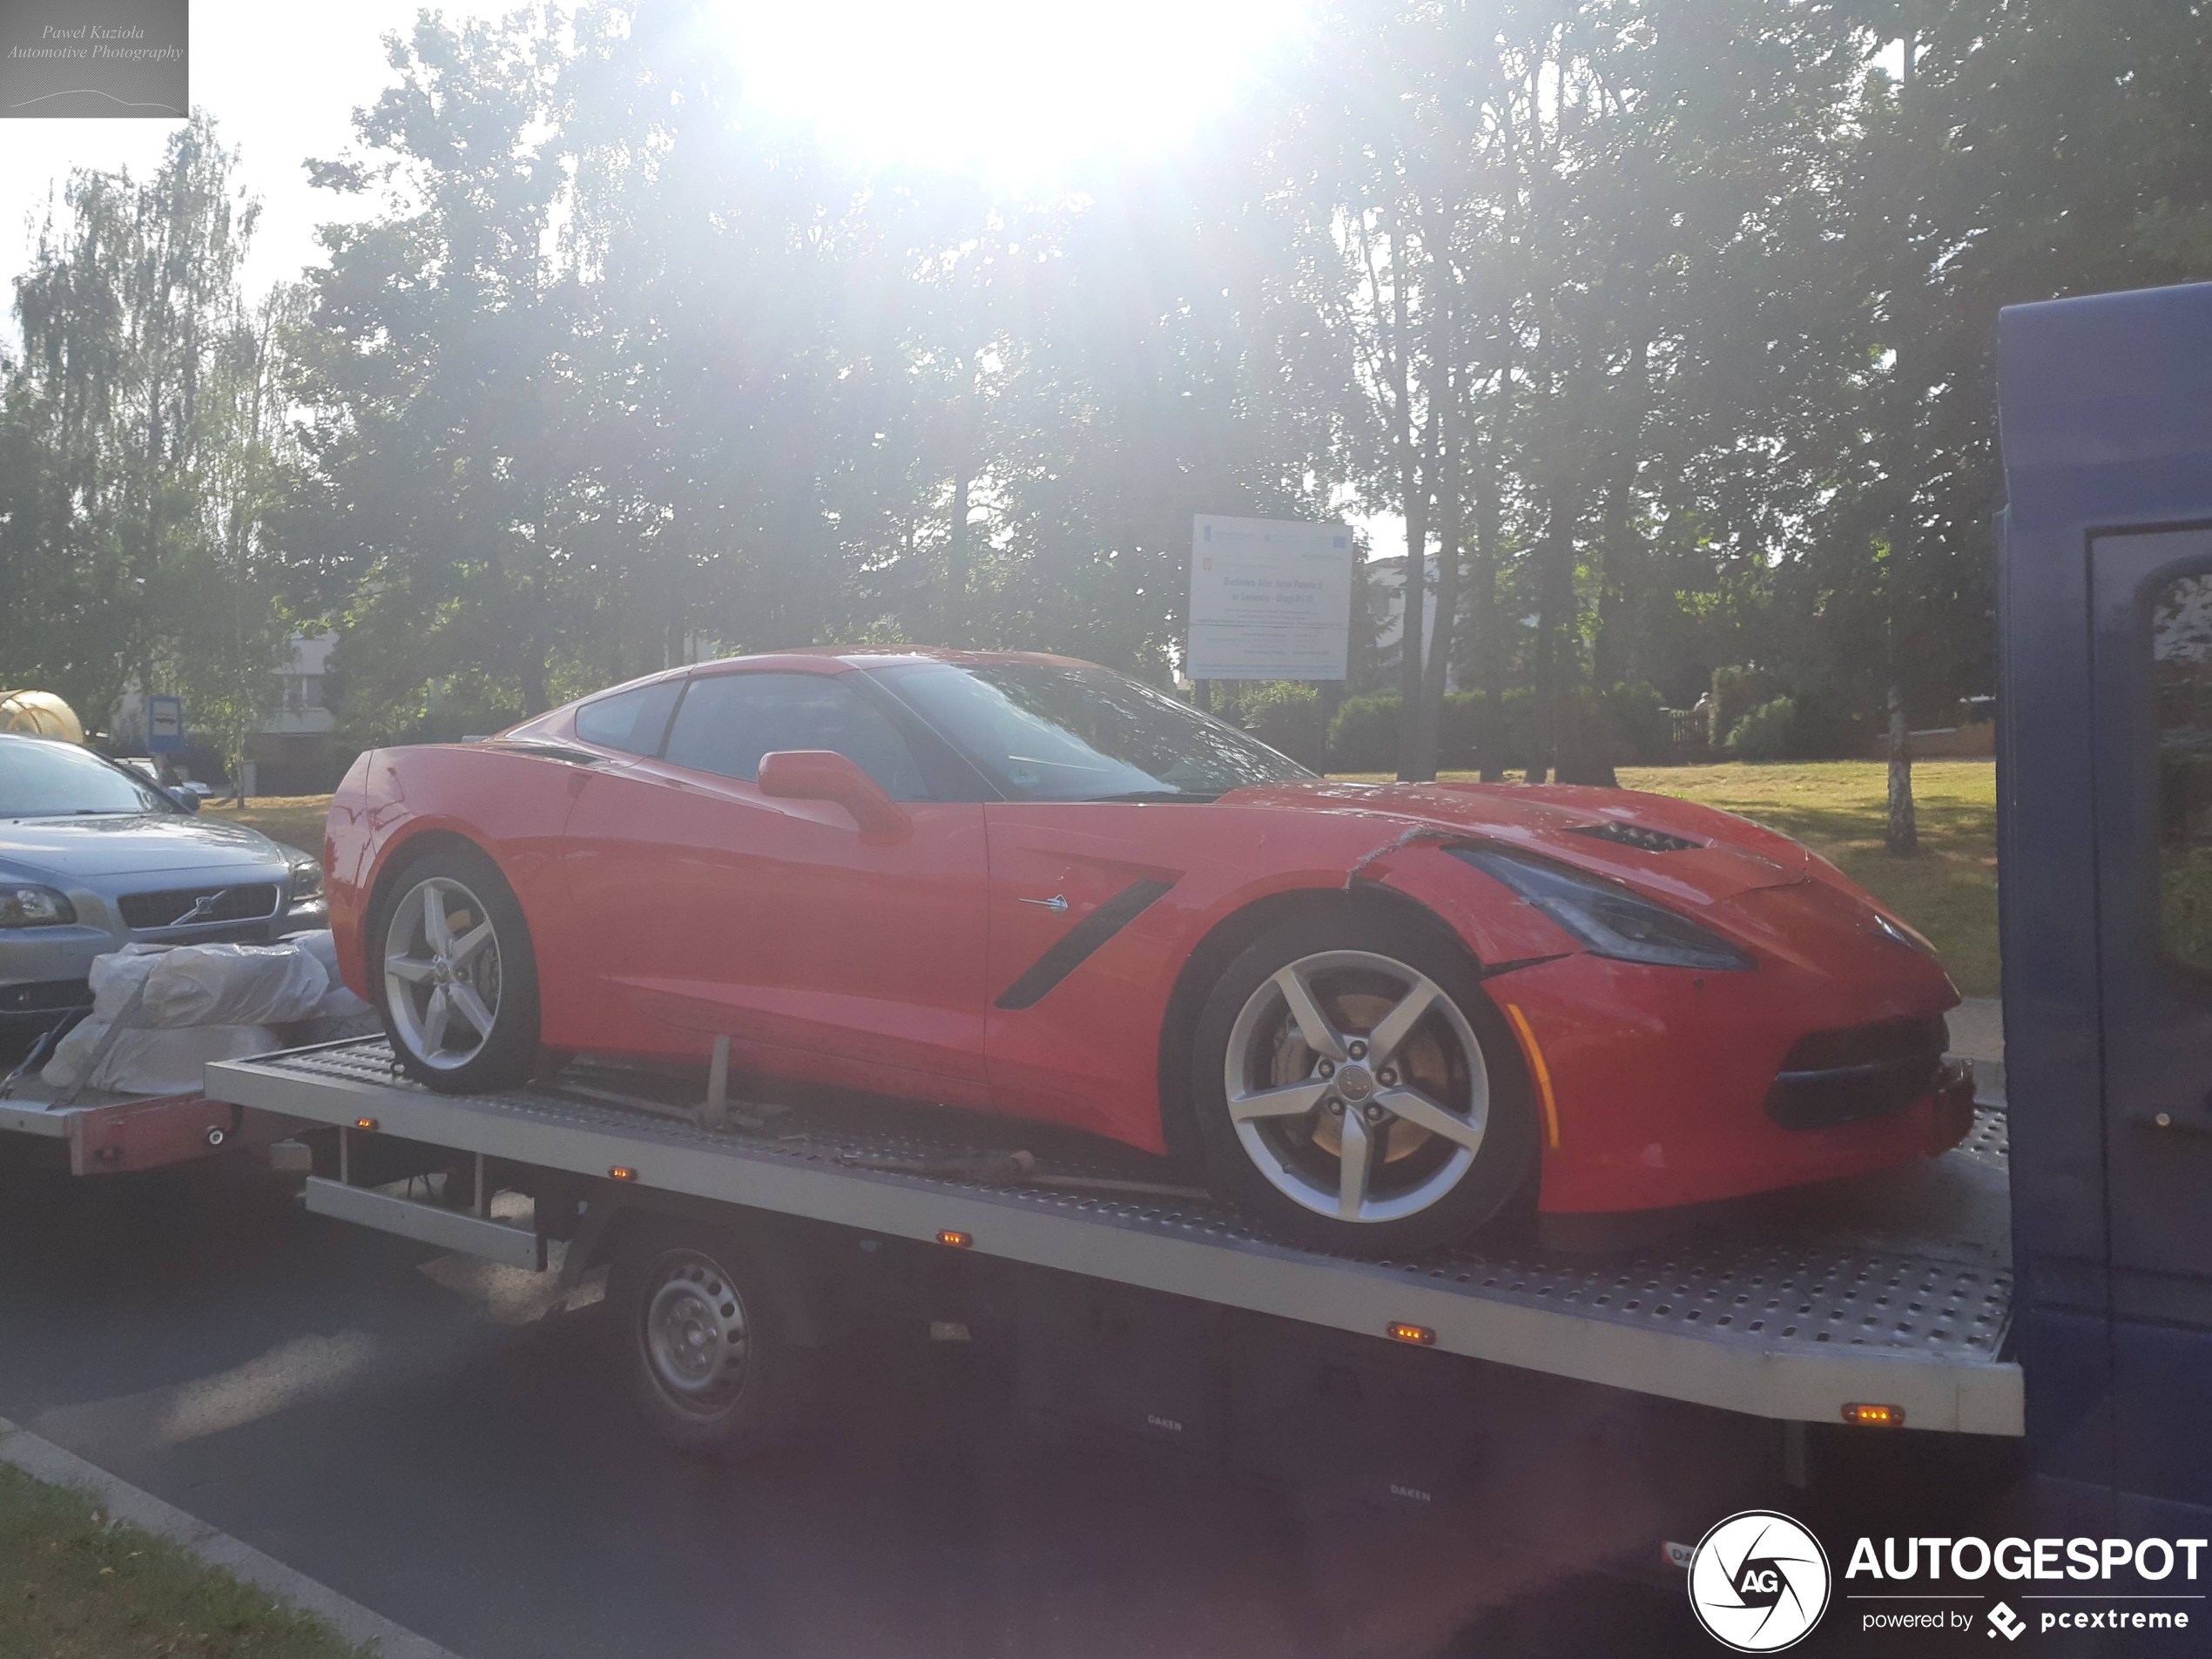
(294, 819)
(1837, 808)
(74, 1585)
(1841, 809)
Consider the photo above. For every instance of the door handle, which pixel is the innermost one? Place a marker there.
(1057, 904)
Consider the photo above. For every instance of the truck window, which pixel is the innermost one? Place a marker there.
(2181, 673)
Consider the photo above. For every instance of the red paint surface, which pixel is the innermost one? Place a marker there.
(668, 906)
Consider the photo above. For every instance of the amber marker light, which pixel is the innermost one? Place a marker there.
(1543, 1073)
(364, 1123)
(1419, 1335)
(622, 1172)
(953, 1236)
(1875, 1416)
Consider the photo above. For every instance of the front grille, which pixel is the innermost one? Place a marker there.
(1830, 1077)
(45, 997)
(144, 910)
(1635, 835)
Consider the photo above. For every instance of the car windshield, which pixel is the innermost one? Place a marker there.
(41, 779)
(1055, 732)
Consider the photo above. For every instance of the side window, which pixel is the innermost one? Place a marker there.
(728, 721)
(633, 722)
(2180, 646)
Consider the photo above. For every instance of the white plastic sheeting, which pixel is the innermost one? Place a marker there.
(161, 1012)
(188, 986)
(152, 1063)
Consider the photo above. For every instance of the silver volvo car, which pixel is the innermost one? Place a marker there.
(93, 856)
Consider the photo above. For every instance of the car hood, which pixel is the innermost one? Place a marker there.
(1733, 855)
(61, 849)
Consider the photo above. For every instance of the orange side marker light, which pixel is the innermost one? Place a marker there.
(1875, 1416)
(365, 1122)
(622, 1172)
(1419, 1335)
(1543, 1072)
(953, 1236)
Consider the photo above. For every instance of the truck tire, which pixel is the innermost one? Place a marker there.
(709, 1362)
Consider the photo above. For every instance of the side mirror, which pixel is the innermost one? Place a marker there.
(822, 774)
(184, 797)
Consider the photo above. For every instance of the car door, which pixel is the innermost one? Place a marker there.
(2152, 642)
(822, 954)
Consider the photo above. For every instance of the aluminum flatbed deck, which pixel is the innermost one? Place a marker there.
(1893, 1290)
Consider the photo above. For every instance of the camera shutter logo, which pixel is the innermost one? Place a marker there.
(1759, 1581)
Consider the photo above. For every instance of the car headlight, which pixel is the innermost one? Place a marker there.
(306, 880)
(1608, 920)
(28, 907)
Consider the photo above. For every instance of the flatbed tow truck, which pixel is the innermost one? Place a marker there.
(1886, 1299)
(2048, 1282)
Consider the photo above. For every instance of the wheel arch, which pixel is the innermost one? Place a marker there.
(1222, 945)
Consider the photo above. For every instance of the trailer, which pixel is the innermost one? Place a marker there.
(1883, 1301)
(93, 1132)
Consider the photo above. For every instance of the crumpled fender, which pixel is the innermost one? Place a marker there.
(1502, 928)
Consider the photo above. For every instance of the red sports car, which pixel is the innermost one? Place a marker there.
(1376, 1014)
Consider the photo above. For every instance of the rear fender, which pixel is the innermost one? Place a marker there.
(512, 807)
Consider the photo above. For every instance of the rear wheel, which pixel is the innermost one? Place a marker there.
(710, 1367)
(1356, 1088)
(457, 979)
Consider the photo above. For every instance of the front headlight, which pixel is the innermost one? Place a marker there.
(1608, 920)
(306, 880)
(28, 907)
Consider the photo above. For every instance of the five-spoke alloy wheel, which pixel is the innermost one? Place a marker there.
(1356, 1087)
(451, 959)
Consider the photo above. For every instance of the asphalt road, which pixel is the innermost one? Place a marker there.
(405, 1427)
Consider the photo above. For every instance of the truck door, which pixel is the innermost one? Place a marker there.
(2151, 594)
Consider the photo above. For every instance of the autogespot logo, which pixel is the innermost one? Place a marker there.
(1759, 1581)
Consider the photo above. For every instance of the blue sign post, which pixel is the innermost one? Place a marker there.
(165, 725)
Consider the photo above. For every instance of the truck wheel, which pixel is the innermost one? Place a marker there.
(710, 1364)
(1356, 1088)
(457, 979)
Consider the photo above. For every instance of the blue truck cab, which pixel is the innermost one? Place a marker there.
(2105, 837)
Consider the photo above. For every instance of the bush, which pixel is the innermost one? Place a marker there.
(1363, 736)
(1765, 732)
(1736, 692)
(1285, 716)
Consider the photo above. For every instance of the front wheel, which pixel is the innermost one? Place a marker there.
(457, 979)
(1356, 1088)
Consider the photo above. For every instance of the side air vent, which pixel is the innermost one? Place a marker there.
(1635, 835)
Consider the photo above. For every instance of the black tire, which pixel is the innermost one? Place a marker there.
(688, 1288)
(507, 1053)
(1487, 1092)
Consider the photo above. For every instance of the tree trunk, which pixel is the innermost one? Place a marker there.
(1414, 499)
(1482, 614)
(1903, 837)
(955, 631)
(1444, 634)
(1620, 546)
(1554, 607)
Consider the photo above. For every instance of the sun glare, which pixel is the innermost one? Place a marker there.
(1019, 90)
